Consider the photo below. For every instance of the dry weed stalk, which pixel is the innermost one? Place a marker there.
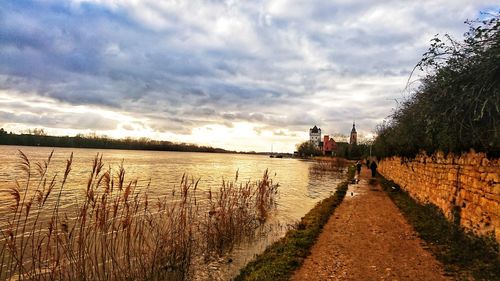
(324, 165)
(235, 211)
(115, 232)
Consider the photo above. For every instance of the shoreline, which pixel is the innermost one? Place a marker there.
(282, 258)
(151, 150)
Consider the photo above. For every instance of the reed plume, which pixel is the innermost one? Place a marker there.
(329, 164)
(115, 231)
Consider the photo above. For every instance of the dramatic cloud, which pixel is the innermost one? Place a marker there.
(234, 74)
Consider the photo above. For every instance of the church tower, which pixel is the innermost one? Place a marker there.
(354, 135)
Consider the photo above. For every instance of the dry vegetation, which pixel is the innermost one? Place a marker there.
(235, 212)
(329, 164)
(115, 232)
(287, 254)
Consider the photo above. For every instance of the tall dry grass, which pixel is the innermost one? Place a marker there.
(330, 164)
(235, 211)
(115, 231)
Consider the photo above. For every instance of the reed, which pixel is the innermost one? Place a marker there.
(280, 259)
(235, 211)
(329, 164)
(115, 231)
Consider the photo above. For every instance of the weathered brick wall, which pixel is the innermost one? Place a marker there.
(469, 183)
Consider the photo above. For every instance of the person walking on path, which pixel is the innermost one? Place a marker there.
(358, 167)
(373, 167)
(364, 242)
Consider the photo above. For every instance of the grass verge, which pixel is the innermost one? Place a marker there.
(463, 254)
(286, 255)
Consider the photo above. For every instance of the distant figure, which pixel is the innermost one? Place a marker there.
(373, 167)
(358, 167)
(367, 163)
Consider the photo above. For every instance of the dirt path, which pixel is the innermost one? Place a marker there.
(367, 238)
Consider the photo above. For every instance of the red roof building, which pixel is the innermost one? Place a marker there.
(329, 146)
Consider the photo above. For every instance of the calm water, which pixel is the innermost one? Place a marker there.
(298, 192)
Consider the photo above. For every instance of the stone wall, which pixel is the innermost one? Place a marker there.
(465, 187)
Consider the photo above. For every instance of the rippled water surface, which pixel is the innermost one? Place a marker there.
(299, 190)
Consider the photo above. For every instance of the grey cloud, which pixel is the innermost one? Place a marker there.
(179, 70)
(244, 116)
(128, 127)
(282, 133)
(60, 120)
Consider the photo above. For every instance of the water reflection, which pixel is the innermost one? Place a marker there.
(299, 189)
(317, 186)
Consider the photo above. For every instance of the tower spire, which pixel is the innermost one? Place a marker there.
(354, 135)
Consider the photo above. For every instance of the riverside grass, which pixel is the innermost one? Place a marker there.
(114, 231)
(279, 260)
(463, 254)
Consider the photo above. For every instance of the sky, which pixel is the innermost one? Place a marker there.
(240, 75)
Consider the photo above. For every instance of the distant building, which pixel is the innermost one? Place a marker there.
(315, 136)
(329, 146)
(354, 135)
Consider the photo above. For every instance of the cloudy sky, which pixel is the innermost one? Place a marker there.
(234, 74)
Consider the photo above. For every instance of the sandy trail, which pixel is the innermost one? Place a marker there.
(367, 238)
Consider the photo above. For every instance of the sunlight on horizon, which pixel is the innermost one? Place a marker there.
(237, 75)
(238, 136)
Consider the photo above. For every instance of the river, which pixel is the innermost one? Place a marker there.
(299, 190)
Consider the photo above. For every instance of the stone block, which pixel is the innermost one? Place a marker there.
(476, 184)
(436, 182)
(492, 177)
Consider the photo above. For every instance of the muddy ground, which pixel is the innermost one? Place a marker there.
(367, 238)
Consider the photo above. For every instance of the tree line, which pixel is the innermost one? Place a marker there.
(345, 150)
(457, 105)
(38, 137)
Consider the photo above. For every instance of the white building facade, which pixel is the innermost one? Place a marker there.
(315, 135)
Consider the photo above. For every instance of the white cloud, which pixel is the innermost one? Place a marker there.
(179, 69)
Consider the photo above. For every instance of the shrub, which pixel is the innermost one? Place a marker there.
(457, 105)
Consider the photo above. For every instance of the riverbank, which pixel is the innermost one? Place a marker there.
(102, 142)
(159, 175)
(280, 259)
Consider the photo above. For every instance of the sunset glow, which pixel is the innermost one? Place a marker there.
(240, 75)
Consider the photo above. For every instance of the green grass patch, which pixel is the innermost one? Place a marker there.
(462, 253)
(286, 255)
